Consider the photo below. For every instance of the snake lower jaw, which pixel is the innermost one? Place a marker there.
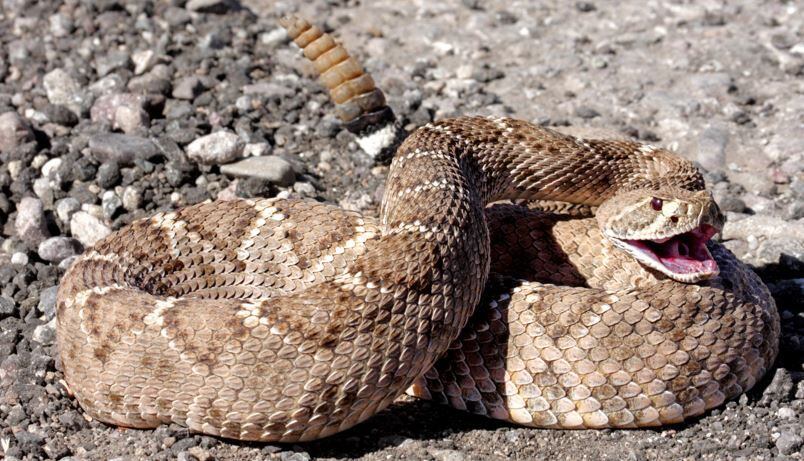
(683, 257)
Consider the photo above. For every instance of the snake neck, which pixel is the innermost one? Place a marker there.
(514, 159)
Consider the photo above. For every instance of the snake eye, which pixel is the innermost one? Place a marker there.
(656, 203)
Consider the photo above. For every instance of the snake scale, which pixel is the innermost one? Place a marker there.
(290, 320)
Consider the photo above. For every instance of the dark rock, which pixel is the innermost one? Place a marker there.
(212, 6)
(84, 169)
(108, 175)
(61, 115)
(586, 112)
(113, 61)
(121, 148)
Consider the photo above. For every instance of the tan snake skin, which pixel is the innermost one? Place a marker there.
(286, 320)
(291, 320)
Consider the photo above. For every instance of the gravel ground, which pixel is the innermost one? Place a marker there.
(107, 114)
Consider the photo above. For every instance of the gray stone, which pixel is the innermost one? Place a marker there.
(124, 111)
(271, 168)
(789, 442)
(110, 203)
(57, 249)
(768, 227)
(45, 334)
(61, 25)
(14, 130)
(44, 190)
(586, 112)
(62, 89)
(188, 88)
(216, 148)
(149, 83)
(7, 307)
(47, 301)
(266, 88)
(176, 16)
(108, 175)
(121, 148)
(60, 115)
(30, 224)
(712, 144)
(87, 228)
(294, 456)
(66, 207)
(116, 59)
(107, 85)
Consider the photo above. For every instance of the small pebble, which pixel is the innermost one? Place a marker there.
(66, 207)
(188, 88)
(45, 334)
(47, 301)
(57, 249)
(216, 148)
(19, 259)
(14, 130)
(31, 225)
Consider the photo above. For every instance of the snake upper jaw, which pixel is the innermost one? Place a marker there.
(683, 257)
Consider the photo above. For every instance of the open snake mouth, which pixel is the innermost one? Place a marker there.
(683, 257)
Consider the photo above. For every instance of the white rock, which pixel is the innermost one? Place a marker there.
(50, 167)
(216, 148)
(87, 228)
(19, 258)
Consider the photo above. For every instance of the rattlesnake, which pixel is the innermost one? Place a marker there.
(288, 320)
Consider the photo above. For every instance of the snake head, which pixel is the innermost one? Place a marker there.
(666, 230)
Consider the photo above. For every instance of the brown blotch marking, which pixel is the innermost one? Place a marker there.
(147, 361)
(102, 352)
(237, 329)
(223, 230)
(115, 399)
(164, 368)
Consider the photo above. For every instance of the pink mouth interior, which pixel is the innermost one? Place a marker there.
(682, 254)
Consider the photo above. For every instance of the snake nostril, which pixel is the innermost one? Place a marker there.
(674, 219)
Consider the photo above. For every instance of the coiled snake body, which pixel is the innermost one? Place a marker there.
(286, 320)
